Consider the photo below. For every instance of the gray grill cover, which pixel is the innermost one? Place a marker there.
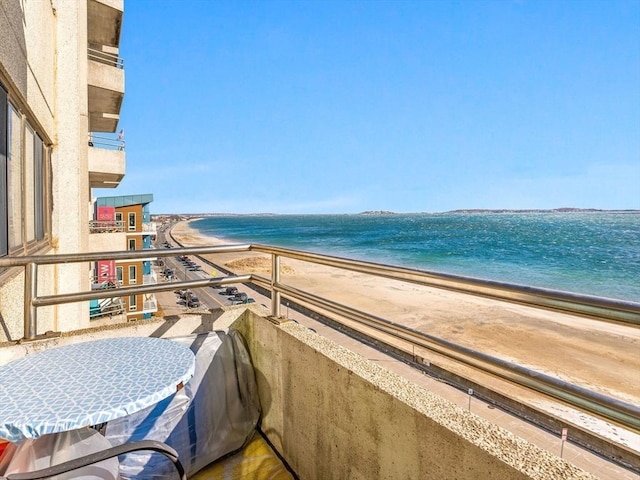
(214, 414)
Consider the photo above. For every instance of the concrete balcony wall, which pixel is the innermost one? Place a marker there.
(333, 414)
(105, 94)
(107, 242)
(106, 167)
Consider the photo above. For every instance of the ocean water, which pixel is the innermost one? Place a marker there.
(590, 253)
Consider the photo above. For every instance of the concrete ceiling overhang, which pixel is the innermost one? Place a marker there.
(104, 22)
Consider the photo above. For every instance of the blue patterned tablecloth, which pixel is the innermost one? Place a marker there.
(88, 383)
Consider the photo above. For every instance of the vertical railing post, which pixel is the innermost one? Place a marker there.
(275, 279)
(30, 311)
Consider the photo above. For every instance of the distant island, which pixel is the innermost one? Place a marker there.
(377, 212)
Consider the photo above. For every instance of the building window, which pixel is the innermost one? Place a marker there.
(133, 302)
(132, 244)
(14, 180)
(118, 216)
(4, 214)
(29, 181)
(24, 181)
(39, 183)
(132, 274)
(119, 275)
(132, 222)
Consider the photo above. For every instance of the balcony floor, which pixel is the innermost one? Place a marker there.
(256, 461)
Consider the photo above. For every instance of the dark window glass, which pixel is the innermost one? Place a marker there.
(39, 187)
(4, 220)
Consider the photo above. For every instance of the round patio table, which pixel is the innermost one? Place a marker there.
(88, 383)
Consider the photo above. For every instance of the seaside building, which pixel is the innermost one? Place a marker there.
(128, 214)
(61, 90)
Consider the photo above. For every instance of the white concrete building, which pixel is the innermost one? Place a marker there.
(61, 90)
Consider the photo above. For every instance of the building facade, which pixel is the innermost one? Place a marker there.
(130, 214)
(61, 90)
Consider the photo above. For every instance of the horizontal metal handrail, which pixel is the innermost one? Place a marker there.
(597, 307)
(106, 142)
(121, 255)
(107, 58)
(621, 412)
(62, 298)
(567, 302)
(106, 226)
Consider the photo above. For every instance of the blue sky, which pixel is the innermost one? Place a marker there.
(411, 106)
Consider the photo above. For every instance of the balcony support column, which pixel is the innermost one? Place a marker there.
(30, 292)
(275, 281)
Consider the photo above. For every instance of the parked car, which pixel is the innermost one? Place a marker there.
(192, 301)
(239, 296)
(231, 291)
(240, 300)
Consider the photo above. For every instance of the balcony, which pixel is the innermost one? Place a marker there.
(149, 228)
(106, 236)
(105, 88)
(104, 22)
(106, 226)
(106, 161)
(150, 279)
(150, 304)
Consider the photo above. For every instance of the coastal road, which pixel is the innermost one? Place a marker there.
(210, 297)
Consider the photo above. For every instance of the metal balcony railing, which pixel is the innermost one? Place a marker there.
(107, 58)
(612, 409)
(149, 227)
(106, 226)
(103, 282)
(150, 279)
(107, 307)
(107, 142)
(150, 304)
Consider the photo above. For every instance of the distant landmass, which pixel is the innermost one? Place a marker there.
(536, 210)
(187, 216)
(507, 210)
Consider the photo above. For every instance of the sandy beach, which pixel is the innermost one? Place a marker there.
(603, 357)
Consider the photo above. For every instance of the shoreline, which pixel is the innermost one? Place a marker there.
(604, 357)
(565, 258)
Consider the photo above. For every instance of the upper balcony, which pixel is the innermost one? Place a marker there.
(105, 77)
(150, 279)
(150, 304)
(106, 161)
(104, 22)
(149, 228)
(106, 236)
